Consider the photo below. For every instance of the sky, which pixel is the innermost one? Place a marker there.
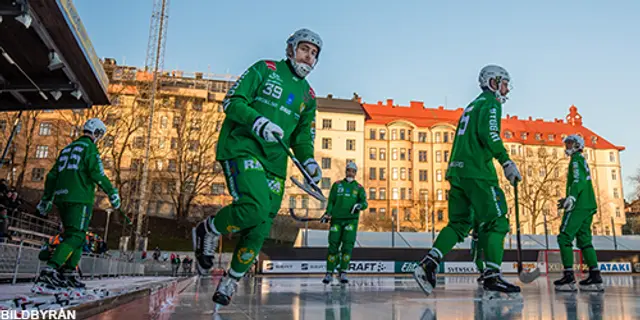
(584, 53)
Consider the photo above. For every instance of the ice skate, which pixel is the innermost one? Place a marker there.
(205, 243)
(49, 282)
(593, 282)
(226, 288)
(425, 273)
(495, 286)
(73, 279)
(480, 279)
(343, 278)
(327, 278)
(567, 283)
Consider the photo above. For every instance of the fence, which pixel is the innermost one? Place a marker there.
(19, 260)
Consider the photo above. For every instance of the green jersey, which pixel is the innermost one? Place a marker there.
(75, 174)
(579, 183)
(272, 90)
(343, 196)
(478, 141)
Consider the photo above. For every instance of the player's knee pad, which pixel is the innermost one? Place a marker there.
(461, 229)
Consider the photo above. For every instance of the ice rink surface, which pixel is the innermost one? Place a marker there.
(373, 298)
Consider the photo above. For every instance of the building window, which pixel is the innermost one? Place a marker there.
(382, 174)
(3, 125)
(446, 156)
(173, 165)
(446, 194)
(445, 136)
(164, 122)
(394, 154)
(440, 215)
(45, 129)
(614, 176)
(351, 160)
(372, 211)
(292, 202)
(372, 134)
(326, 143)
(422, 156)
(217, 189)
(403, 173)
(407, 214)
(351, 144)
(409, 154)
(507, 134)
(383, 136)
(372, 193)
(538, 136)
(424, 195)
(438, 175)
(409, 137)
(372, 173)
(372, 154)
(616, 195)
(403, 154)
(423, 175)
(394, 174)
(612, 157)
(422, 137)
(159, 165)
(439, 195)
(409, 193)
(138, 142)
(394, 134)
(438, 137)
(410, 174)
(42, 152)
(513, 150)
(402, 136)
(326, 123)
(383, 194)
(403, 193)
(37, 174)
(394, 194)
(351, 125)
(326, 163)
(551, 137)
(326, 183)
(383, 154)
(383, 212)
(438, 156)
(305, 202)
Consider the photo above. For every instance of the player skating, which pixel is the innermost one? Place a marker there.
(272, 99)
(71, 185)
(346, 200)
(474, 185)
(579, 207)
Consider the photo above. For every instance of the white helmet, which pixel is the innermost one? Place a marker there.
(303, 35)
(578, 144)
(498, 74)
(96, 128)
(352, 165)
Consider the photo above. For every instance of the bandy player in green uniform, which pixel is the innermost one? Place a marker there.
(346, 199)
(474, 185)
(271, 99)
(71, 185)
(579, 207)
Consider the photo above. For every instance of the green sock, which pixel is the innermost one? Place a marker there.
(589, 257)
(445, 242)
(494, 250)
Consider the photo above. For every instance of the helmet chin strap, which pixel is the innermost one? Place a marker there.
(301, 69)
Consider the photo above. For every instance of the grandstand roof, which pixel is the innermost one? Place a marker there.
(48, 61)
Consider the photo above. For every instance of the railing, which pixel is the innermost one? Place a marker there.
(38, 228)
(19, 260)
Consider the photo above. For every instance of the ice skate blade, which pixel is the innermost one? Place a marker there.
(418, 273)
(569, 287)
(593, 288)
(497, 295)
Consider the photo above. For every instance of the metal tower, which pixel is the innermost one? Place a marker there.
(148, 88)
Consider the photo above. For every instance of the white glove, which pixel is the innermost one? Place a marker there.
(356, 208)
(266, 129)
(313, 169)
(44, 207)
(115, 200)
(511, 172)
(567, 203)
(325, 218)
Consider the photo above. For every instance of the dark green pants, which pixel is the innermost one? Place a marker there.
(257, 196)
(576, 225)
(487, 202)
(342, 238)
(75, 220)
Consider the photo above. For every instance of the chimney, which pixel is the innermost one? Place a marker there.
(440, 107)
(389, 102)
(379, 103)
(514, 117)
(530, 118)
(199, 75)
(507, 116)
(539, 120)
(330, 96)
(416, 104)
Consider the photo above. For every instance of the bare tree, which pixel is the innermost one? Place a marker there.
(374, 222)
(29, 122)
(543, 180)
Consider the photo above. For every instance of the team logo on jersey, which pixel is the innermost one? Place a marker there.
(302, 106)
(271, 65)
(290, 98)
(309, 95)
(245, 255)
(232, 229)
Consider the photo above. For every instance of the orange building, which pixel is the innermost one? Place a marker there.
(408, 148)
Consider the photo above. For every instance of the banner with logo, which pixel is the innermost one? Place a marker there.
(614, 267)
(301, 266)
(409, 266)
